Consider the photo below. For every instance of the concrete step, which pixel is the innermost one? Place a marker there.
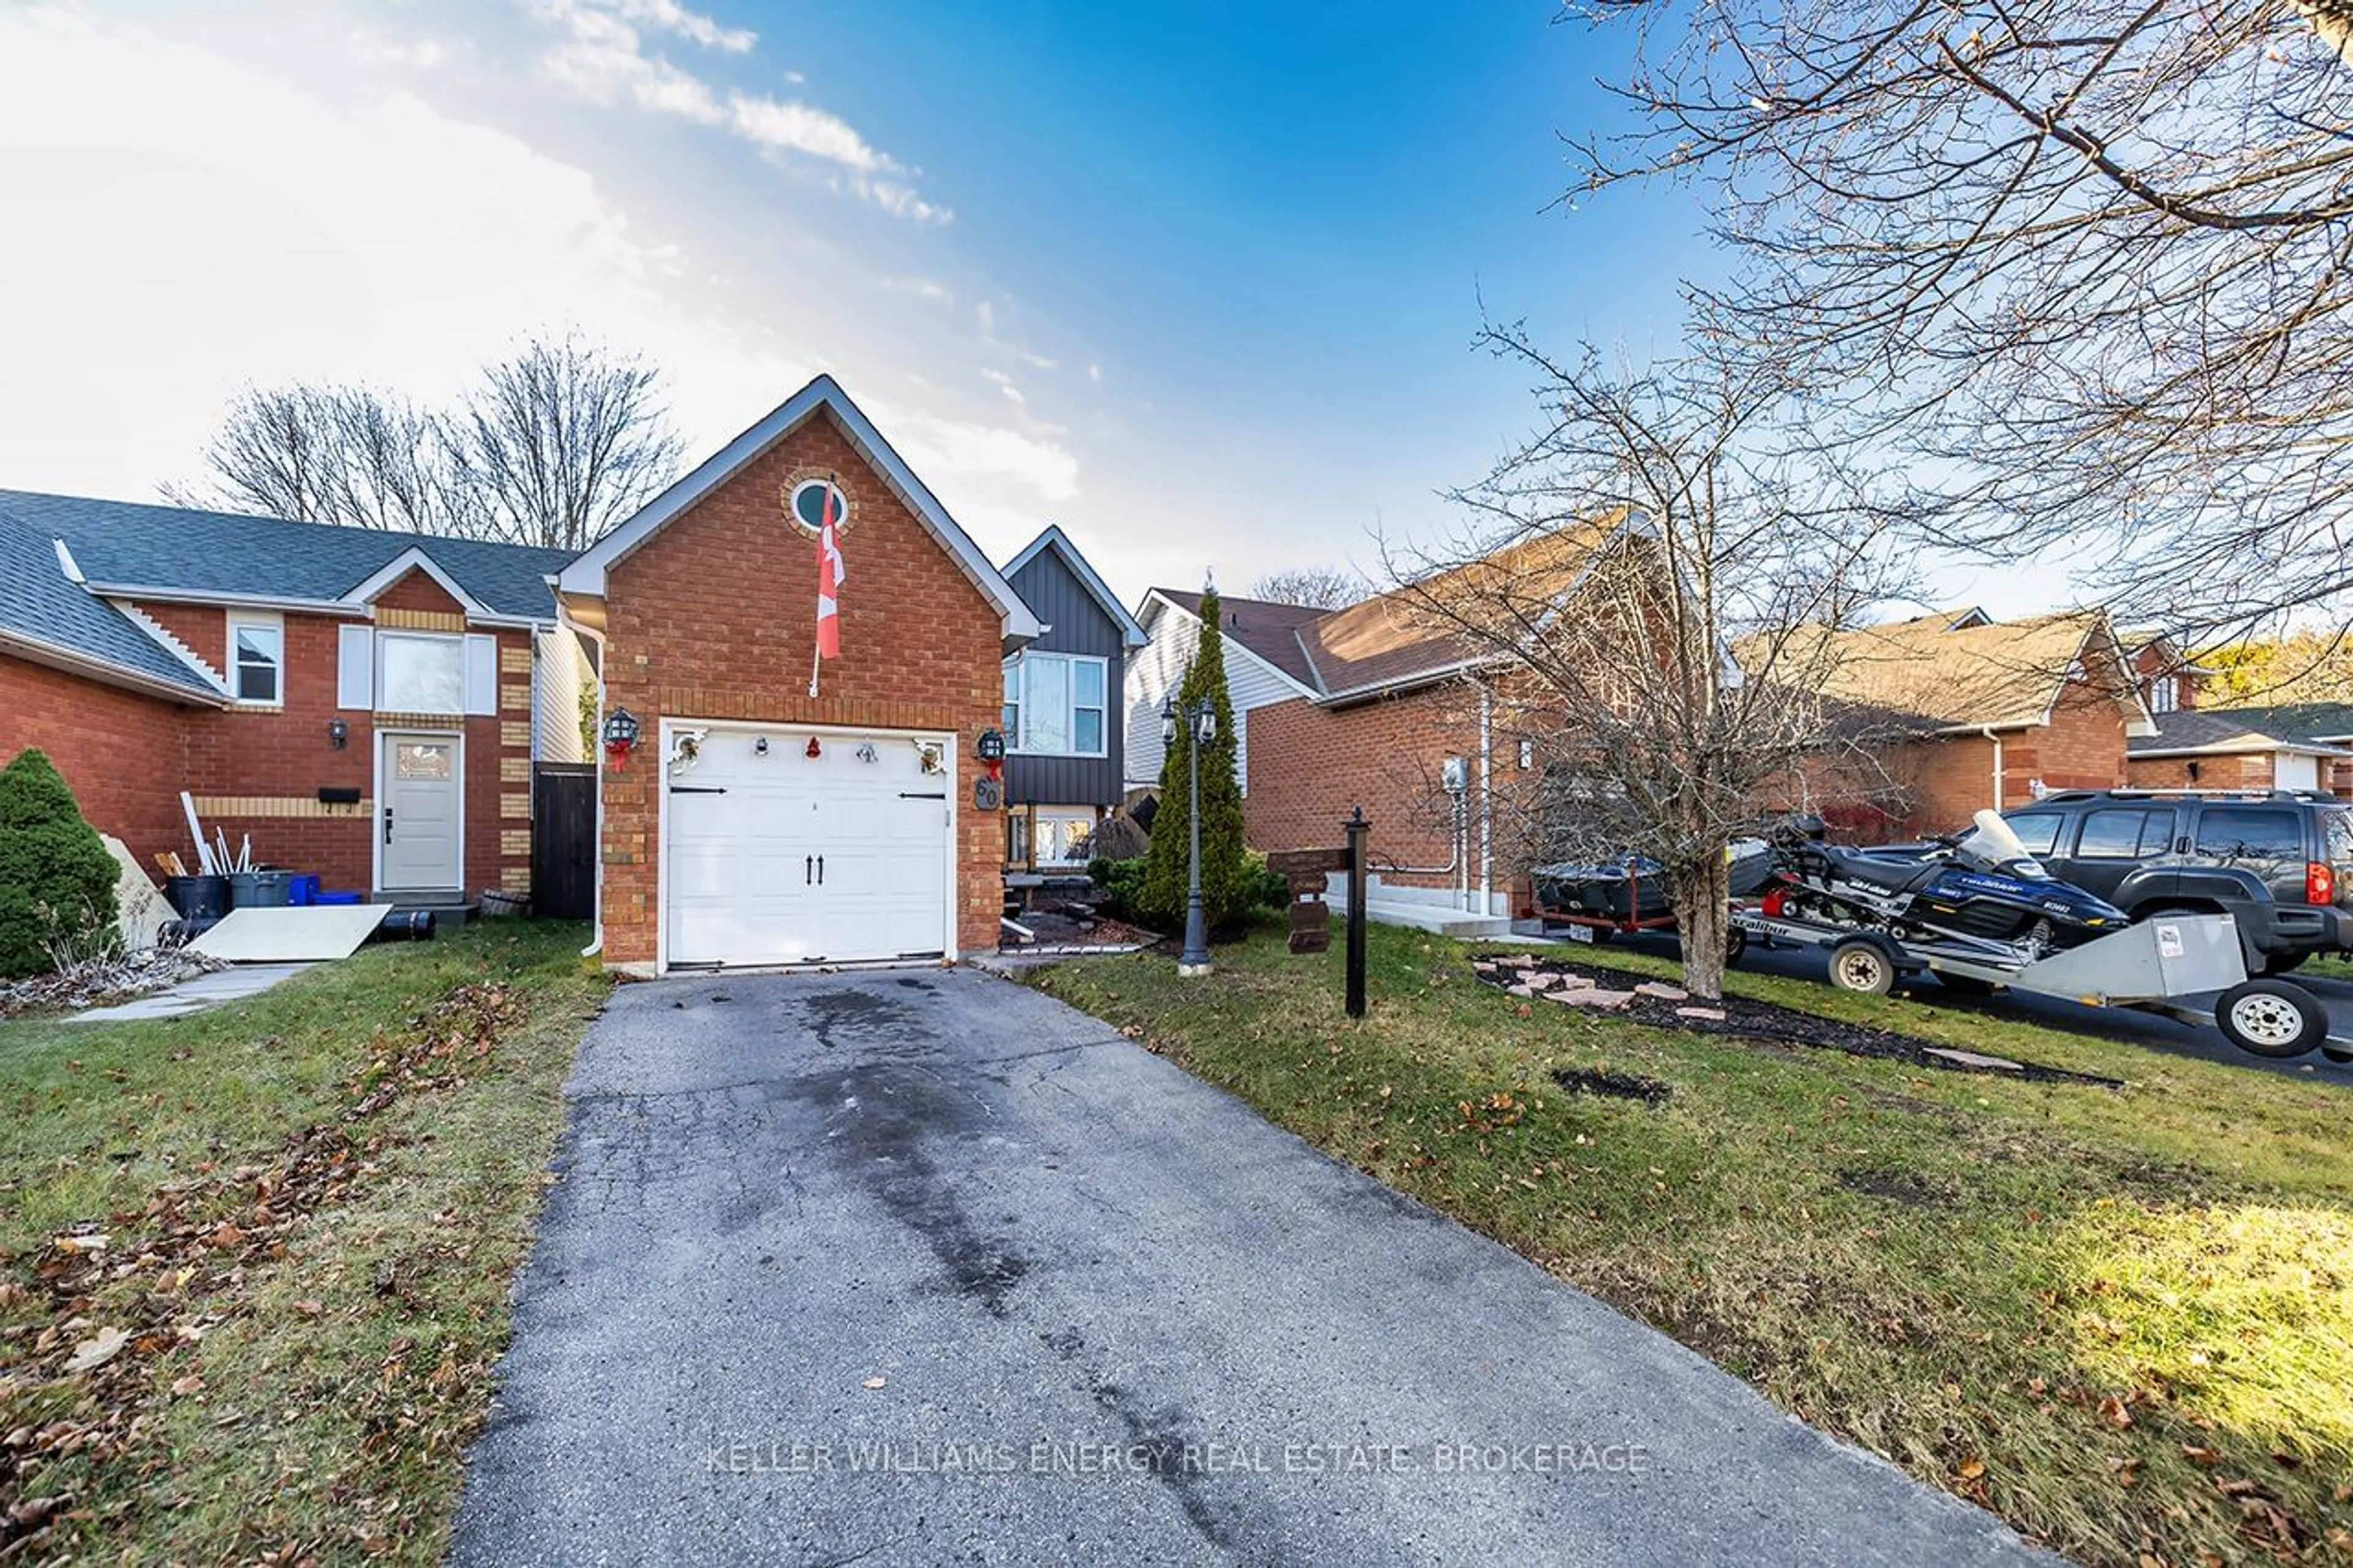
(1437, 918)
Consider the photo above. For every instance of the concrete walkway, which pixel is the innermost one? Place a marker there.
(924, 1267)
(194, 995)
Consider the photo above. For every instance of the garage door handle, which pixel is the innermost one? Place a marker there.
(698, 789)
(808, 870)
(820, 870)
(914, 794)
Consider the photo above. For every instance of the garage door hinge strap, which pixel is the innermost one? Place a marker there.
(914, 795)
(698, 789)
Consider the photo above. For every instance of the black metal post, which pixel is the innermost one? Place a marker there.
(1194, 959)
(1359, 831)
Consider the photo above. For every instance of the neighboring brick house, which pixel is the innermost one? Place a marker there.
(2007, 710)
(2170, 680)
(1065, 717)
(358, 703)
(2295, 746)
(759, 824)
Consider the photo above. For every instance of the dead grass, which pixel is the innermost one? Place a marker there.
(312, 1203)
(2121, 1318)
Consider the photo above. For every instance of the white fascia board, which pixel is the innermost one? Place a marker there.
(585, 574)
(228, 601)
(414, 559)
(2244, 744)
(1131, 632)
(1237, 646)
(163, 638)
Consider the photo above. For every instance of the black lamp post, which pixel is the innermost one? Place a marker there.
(1201, 720)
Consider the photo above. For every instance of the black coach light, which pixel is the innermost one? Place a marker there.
(1168, 720)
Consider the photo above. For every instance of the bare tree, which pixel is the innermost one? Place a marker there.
(1608, 569)
(1311, 587)
(2089, 267)
(346, 455)
(559, 443)
(563, 441)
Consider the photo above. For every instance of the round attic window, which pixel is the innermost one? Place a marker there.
(807, 504)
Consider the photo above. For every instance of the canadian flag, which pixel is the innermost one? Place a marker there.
(829, 583)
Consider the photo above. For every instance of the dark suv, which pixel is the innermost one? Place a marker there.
(2281, 863)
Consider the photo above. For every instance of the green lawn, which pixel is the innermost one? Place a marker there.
(2121, 1318)
(313, 1202)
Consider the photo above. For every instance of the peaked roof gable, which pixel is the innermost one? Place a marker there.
(1984, 674)
(1266, 639)
(586, 575)
(1054, 539)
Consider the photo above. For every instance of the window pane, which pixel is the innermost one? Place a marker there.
(2253, 831)
(1063, 840)
(2038, 830)
(257, 683)
(2112, 835)
(422, 675)
(258, 648)
(2337, 825)
(1086, 731)
(1047, 720)
(1087, 687)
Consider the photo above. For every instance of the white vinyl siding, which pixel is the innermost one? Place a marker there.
(1157, 669)
(559, 674)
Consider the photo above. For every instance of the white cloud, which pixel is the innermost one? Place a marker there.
(971, 450)
(379, 47)
(1005, 383)
(602, 56)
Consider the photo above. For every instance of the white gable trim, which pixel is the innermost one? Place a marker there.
(1131, 633)
(413, 560)
(174, 646)
(1235, 645)
(585, 574)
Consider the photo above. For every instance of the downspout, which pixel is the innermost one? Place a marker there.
(1486, 803)
(597, 882)
(1991, 734)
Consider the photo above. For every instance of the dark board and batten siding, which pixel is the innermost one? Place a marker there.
(1075, 624)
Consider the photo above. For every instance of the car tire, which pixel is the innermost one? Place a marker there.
(2271, 1018)
(1862, 967)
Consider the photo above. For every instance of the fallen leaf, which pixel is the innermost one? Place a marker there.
(98, 1350)
(189, 1384)
(1971, 1468)
(309, 1308)
(2204, 1459)
(873, 1383)
(2113, 1410)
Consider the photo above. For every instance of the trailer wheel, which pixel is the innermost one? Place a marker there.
(2271, 1018)
(1860, 965)
(1736, 942)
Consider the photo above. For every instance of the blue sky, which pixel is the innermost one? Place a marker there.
(1196, 282)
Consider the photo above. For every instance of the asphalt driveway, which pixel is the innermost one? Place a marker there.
(928, 1268)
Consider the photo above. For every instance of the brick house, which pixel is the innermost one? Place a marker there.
(2006, 710)
(760, 824)
(371, 705)
(361, 704)
(2304, 745)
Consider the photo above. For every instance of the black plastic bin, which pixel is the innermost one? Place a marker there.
(259, 889)
(197, 898)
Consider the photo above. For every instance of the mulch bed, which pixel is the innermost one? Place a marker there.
(1075, 924)
(1647, 999)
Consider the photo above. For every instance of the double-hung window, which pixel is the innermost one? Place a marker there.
(1054, 704)
(257, 654)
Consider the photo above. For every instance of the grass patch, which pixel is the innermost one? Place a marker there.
(312, 1203)
(2120, 1317)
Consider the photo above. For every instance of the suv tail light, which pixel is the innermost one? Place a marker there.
(2319, 883)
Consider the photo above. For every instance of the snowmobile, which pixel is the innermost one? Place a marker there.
(1980, 887)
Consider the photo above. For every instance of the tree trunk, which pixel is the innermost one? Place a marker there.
(1703, 897)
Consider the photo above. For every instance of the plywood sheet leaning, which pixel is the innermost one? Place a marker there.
(291, 934)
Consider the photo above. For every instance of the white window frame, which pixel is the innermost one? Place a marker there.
(2164, 694)
(1041, 815)
(1019, 666)
(259, 620)
(455, 642)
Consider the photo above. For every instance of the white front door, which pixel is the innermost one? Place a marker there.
(420, 782)
(774, 856)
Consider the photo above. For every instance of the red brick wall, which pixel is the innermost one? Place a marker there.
(714, 617)
(257, 771)
(1310, 766)
(2240, 771)
(120, 752)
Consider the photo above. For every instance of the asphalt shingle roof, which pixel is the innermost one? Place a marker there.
(133, 544)
(39, 603)
(2236, 729)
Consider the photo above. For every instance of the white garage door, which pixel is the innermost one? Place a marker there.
(789, 858)
(2295, 772)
